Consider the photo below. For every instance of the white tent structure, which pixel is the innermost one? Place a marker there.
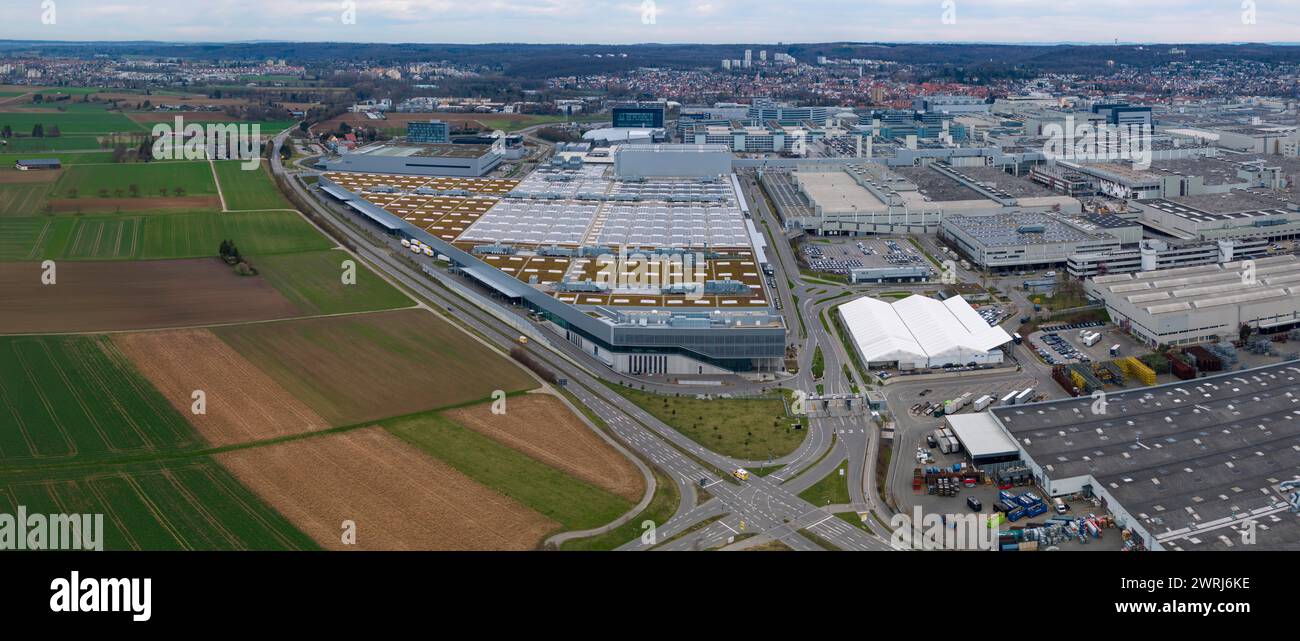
(921, 332)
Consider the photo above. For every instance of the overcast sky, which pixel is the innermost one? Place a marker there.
(675, 21)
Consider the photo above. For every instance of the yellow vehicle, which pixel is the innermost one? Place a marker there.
(523, 340)
(741, 473)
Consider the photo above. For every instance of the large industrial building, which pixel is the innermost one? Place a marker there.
(658, 271)
(1027, 240)
(920, 332)
(465, 161)
(1207, 464)
(1193, 305)
(635, 161)
(430, 132)
(1154, 254)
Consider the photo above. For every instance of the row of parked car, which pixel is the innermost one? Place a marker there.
(1062, 347)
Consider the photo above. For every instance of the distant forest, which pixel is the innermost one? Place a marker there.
(532, 61)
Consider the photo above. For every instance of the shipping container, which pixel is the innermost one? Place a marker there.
(1024, 396)
(1010, 398)
(983, 402)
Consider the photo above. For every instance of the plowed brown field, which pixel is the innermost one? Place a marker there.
(243, 403)
(94, 296)
(398, 497)
(543, 428)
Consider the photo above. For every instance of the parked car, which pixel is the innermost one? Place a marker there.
(974, 504)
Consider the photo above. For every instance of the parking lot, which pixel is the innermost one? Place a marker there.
(839, 255)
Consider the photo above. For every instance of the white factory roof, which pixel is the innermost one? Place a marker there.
(919, 328)
(981, 435)
(612, 135)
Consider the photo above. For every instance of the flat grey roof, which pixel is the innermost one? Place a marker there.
(938, 187)
(1189, 460)
(1001, 230)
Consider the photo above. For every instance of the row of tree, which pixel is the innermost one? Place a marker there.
(38, 131)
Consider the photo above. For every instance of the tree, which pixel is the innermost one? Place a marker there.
(1245, 332)
(54, 131)
(38, 131)
(8, 132)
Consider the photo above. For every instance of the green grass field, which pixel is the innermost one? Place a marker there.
(832, 490)
(194, 504)
(257, 233)
(313, 281)
(79, 120)
(155, 236)
(248, 189)
(27, 145)
(573, 503)
(77, 396)
(33, 238)
(194, 177)
(104, 238)
(748, 428)
(65, 157)
(23, 199)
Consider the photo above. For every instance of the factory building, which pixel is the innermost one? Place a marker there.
(1192, 305)
(470, 161)
(762, 137)
(951, 104)
(1025, 240)
(919, 332)
(671, 161)
(1153, 254)
(432, 132)
(1183, 466)
(1240, 214)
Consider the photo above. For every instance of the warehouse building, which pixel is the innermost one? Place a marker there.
(1026, 240)
(983, 440)
(1207, 464)
(1237, 214)
(671, 161)
(1194, 305)
(38, 164)
(1153, 254)
(919, 332)
(416, 159)
(432, 132)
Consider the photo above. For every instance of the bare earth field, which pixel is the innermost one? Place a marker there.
(108, 296)
(542, 427)
(399, 498)
(9, 175)
(361, 368)
(243, 403)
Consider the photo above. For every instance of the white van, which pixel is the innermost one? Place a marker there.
(1061, 508)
